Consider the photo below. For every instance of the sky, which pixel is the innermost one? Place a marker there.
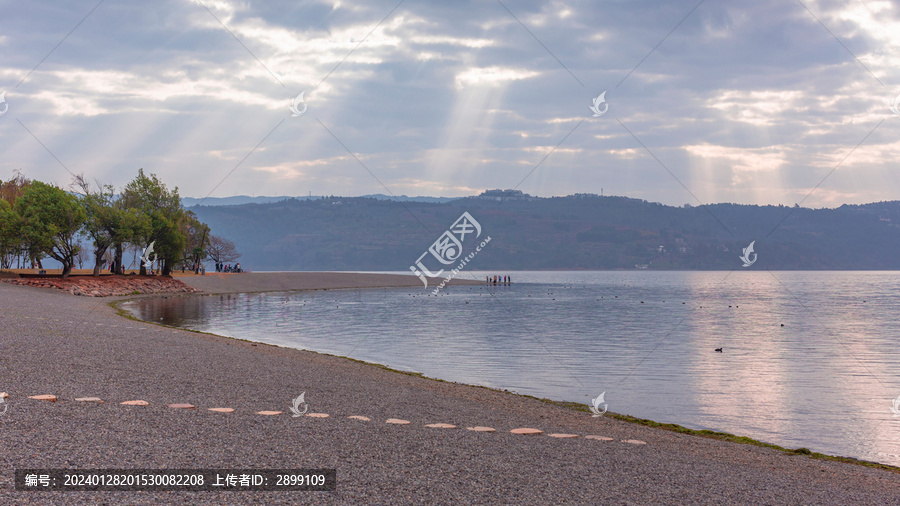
(766, 102)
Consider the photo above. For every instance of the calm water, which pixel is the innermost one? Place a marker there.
(824, 381)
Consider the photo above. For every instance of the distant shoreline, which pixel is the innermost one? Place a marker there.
(214, 282)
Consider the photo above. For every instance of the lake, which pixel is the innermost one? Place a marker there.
(809, 359)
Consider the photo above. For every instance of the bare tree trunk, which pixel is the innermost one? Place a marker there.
(117, 263)
(98, 260)
(98, 264)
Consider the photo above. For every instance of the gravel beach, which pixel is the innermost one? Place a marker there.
(72, 347)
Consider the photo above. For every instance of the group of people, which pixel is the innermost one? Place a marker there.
(498, 280)
(223, 267)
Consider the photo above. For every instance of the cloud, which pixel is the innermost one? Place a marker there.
(494, 75)
(742, 160)
(746, 102)
(760, 108)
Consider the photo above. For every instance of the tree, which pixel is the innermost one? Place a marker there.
(109, 223)
(14, 188)
(163, 207)
(49, 220)
(196, 234)
(81, 256)
(221, 250)
(11, 243)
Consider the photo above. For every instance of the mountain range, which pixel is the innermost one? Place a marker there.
(582, 231)
(244, 199)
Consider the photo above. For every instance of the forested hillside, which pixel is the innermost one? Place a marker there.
(574, 232)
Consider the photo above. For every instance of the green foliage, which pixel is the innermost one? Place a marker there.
(197, 238)
(37, 220)
(9, 237)
(49, 220)
(109, 222)
(11, 243)
(163, 208)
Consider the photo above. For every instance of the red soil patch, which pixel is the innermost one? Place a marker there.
(106, 286)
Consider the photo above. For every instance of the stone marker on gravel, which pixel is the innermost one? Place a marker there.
(482, 429)
(527, 431)
(269, 413)
(599, 438)
(358, 417)
(47, 397)
(441, 426)
(397, 421)
(90, 399)
(634, 441)
(182, 406)
(135, 403)
(563, 436)
(222, 410)
(317, 415)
